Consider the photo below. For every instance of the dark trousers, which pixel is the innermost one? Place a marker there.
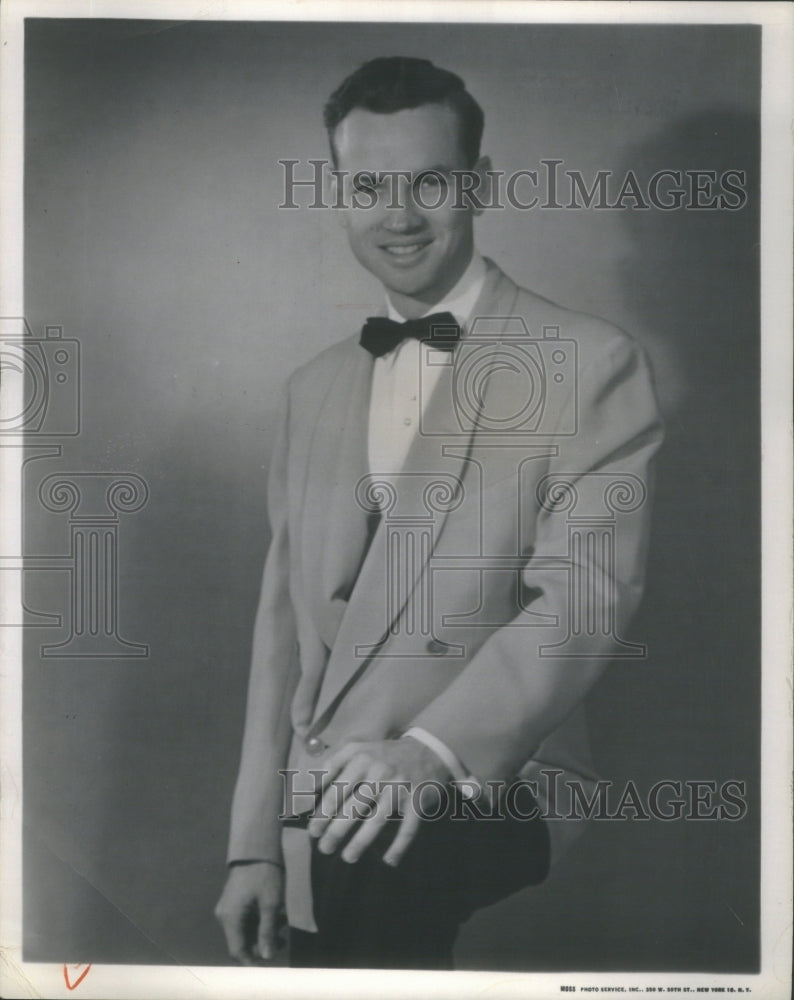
(370, 915)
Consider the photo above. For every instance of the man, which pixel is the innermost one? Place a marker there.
(459, 508)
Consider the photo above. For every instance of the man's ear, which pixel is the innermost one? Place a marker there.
(483, 192)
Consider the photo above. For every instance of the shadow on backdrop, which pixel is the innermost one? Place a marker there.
(677, 895)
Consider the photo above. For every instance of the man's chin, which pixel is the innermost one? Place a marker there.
(411, 285)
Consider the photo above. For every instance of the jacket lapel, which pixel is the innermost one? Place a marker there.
(376, 602)
(334, 527)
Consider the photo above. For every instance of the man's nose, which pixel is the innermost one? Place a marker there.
(404, 220)
(402, 213)
(405, 216)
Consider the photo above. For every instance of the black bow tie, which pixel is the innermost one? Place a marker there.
(380, 335)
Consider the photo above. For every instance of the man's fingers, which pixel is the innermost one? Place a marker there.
(405, 835)
(358, 808)
(339, 810)
(335, 796)
(388, 802)
(335, 761)
(234, 931)
(365, 835)
(248, 908)
(266, 939)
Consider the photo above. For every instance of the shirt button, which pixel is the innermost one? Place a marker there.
(315, 746)
(407, 421)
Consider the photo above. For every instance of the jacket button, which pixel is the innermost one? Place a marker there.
(315, 746)
(436, 647)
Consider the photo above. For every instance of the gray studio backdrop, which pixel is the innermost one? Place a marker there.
(153, 238)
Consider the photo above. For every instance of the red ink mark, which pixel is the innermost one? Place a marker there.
(73, 985)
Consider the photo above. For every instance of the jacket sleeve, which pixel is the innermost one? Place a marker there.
(255, 829)
(523, 682)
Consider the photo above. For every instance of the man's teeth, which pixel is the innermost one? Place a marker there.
(409, 248)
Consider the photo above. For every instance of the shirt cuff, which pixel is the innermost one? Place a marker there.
(467, 784)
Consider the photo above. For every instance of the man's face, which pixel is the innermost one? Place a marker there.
(417, 251)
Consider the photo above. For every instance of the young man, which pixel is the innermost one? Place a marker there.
(459, 505)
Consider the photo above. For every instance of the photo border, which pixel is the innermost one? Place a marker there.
(23, 979)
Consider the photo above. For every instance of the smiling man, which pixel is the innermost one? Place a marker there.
(418, 255)
(459, 505)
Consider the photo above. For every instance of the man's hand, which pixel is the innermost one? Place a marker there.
(366, 783)
(249, 908)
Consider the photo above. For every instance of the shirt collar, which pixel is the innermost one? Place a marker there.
(460, 299)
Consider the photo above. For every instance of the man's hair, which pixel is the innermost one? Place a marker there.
(397, 83)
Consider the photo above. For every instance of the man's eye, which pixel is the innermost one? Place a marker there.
(432, 183)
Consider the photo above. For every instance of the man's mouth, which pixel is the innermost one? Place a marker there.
(405, 251)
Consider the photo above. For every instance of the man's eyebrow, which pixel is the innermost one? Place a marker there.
(379, 176)
(437, 168)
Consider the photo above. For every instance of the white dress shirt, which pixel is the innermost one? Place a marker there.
(402, 382)
(399, 392)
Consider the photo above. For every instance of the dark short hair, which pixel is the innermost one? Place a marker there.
(396, 83)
